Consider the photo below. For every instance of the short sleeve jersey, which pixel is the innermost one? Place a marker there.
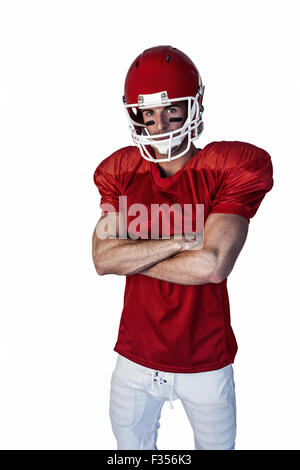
(175, 327)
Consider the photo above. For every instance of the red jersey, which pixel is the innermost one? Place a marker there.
(174, 327)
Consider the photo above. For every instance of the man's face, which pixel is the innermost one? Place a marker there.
(166, 118)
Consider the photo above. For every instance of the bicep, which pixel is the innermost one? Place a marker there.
(225, 235)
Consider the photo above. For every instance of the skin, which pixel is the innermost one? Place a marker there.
(161, 117)
(182, 261)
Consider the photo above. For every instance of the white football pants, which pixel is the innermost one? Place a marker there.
(138, 393)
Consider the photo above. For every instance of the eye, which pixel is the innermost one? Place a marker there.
(148, 113)
(172, 110)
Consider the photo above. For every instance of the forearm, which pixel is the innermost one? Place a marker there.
(126, 257)
(189, 268)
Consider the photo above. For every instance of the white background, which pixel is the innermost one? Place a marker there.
(63, 65)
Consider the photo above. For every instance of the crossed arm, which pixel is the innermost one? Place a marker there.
(174, 260)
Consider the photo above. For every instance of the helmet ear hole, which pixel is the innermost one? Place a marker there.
(136, 119)
(139, 117)
(136, 115)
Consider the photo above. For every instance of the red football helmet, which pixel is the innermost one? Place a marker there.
(161, 76)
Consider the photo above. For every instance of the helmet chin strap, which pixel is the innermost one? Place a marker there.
(164, 147)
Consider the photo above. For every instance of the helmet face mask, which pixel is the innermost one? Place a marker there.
(177, 79)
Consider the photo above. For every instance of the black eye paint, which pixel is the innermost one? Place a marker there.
(174, 119)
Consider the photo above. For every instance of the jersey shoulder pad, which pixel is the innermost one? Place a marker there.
(233, 154)
(121, 161)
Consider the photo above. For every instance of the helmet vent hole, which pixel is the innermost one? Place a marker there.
(137, 63)
(168, 59)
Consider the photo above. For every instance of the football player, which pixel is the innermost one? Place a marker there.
(175, 339)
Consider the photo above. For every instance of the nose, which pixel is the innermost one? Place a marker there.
(162, 123)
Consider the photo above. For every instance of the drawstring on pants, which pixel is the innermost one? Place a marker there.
(155, 377)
